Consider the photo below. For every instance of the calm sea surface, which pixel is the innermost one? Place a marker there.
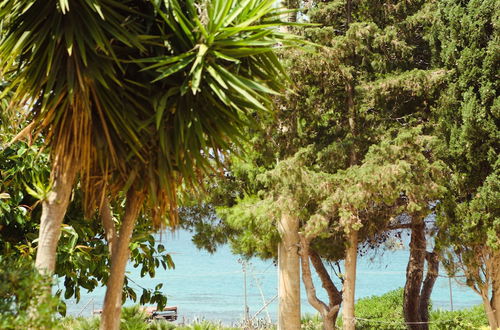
(212, 286)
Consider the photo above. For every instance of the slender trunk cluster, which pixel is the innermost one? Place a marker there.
(328, 312)
(289, 273)
(417, 291)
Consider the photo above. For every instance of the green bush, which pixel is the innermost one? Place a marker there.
(79, 323)
(25, 298)
(161, 325)
(385, 312)
(465, 319)
(133, 318)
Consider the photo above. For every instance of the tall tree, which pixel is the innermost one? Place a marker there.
(382, 59)
(211, 65)
(465, 37)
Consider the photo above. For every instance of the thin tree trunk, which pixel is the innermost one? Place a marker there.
(349, 322)
(490, 312)
(334, 295)
(414, 275)
(430, 279)
(348, 316)
(289, 274)
(313, 299)
(53, 210)
(495, 286)
(110, 319)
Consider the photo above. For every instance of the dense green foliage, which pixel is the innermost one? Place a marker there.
(379, 59)
(467, 116)
(83, 254)
(389, 70)
(24, 301)
(386, 312)
(154, 96)
(393, 114)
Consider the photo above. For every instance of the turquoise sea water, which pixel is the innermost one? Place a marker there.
(212, 286)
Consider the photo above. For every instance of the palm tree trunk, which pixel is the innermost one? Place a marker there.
(54, 208)
(289, 274)
(349, 322)
(110, 319)
(414, 275)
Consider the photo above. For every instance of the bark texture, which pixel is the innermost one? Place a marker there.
(494, 302)
(349, 322)
(289, 274)
(414, 275)
(490, 312)
(110, 319)
(53, 210)
(108, 224)
(328, 312)
(430, 280)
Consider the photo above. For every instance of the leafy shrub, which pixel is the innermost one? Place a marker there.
(161, 325)
(384, 312)
(25, 297)
(133, 318)
(79, 323)
(465, 319)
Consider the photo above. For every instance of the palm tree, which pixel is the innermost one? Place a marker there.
(63, 66)
(135, 96)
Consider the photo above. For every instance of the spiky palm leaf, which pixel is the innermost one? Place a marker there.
(214, 69)
(142, 92)
(62, 57)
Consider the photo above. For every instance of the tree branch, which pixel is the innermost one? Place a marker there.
(334, 295)
(319, 305)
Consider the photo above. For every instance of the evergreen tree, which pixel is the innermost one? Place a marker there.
(466, 39)
(372, 82)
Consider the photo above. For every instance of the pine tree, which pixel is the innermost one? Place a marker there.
(466, 41)
(369, 86)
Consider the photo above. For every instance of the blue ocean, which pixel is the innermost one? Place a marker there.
(212, 286)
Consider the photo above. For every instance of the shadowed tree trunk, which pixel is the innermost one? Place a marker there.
(490, 312)
(495, 296)
(414, 275)
(289, 274)
(110, 319)
(54, 208)
(430, 279)
(328, 312)
(492, 306)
